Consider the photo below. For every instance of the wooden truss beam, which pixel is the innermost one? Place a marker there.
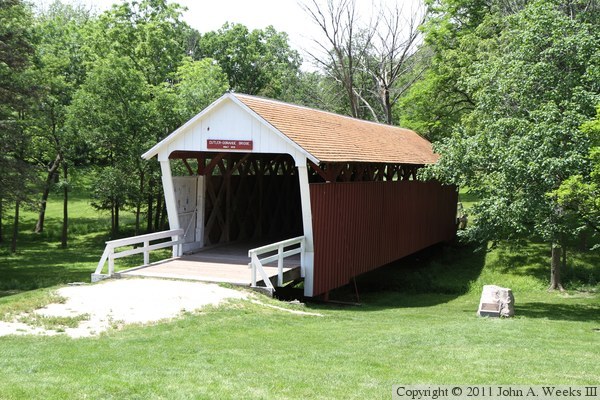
(358, 171)
(187, 165)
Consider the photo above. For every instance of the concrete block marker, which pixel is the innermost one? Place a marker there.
(496, 301)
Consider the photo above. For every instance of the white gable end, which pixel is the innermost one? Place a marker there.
(228, 120)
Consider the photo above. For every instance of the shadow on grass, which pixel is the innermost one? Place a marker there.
(40, 262)
(436, 275)
(19, 279)
(561, 312)
(533, 259)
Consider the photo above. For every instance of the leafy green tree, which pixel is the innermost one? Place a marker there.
(16, 93)
(533, 86)
(132, 52)
(141, 85)
(259, 62)
(434, 104)
(59, 71)
(150, 33)
(454, 30)
(580, 193)
(199, 83)
(111, 111)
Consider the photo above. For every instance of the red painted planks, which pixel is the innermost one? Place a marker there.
(360, 226)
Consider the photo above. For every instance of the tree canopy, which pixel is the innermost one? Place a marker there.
(532, 85)
(580, 193)
(508, 90)
(17, 90)
(259, 62)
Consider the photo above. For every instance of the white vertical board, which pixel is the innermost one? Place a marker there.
(200, 202)
(167, 181)
(185, 193)
(309, 252)
(188, 208)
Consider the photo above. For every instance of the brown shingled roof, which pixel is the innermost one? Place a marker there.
(337, 138)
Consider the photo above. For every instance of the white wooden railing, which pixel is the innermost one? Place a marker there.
(256, 263)
(110, 255)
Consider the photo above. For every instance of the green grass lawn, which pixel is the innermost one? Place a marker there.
(248, 351)
(40, 262)
(416, 324)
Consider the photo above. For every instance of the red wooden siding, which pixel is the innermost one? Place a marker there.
(360, 226)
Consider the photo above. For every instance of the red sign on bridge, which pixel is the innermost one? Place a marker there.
(225, 144)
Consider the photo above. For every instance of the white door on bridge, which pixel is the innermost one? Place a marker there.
(189, 199)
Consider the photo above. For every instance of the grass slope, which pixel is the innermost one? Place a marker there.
(417, 324)
(245, 350)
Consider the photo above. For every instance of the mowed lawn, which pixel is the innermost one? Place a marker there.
(416, 324)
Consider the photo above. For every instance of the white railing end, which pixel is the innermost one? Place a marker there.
(110, 255)
(99, 277)
(257, 264)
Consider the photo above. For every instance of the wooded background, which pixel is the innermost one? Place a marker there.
(508, 91)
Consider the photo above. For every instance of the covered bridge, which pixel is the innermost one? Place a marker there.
(260, 171)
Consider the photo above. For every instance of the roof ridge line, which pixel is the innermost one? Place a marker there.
(321, 111)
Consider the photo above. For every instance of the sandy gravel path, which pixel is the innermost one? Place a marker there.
(126, 301)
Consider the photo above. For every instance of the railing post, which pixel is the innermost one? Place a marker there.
(253, 266)
(280, 266)
(111, 261)
(146, 252)
(302, 249)
(177, 248)
(256, 263)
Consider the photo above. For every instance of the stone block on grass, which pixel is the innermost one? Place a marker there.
(496, 301)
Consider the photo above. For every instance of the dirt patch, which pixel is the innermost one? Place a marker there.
(124, 301)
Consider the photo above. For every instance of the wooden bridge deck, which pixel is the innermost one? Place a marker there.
(223, 264)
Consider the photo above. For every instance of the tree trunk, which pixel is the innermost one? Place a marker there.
(163, 217)
(65, 225)
(555, 281)
(39, 226)
(157, 213)
(138, 207)
(150, 205)
(1, 232)
(388, 106)
(138, 210)
(112, 222)
(13, 244)
(149, 214)
(116, 233)
(583, 235)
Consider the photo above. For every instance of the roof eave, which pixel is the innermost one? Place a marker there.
(157, 147)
